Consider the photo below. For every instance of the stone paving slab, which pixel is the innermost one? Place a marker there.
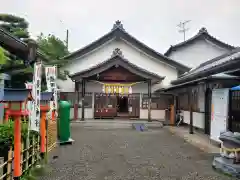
(126, 154)
(197, 139)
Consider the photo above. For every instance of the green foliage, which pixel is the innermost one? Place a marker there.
(51, 46)
(16, 25)
(7, 133)
(3, 58)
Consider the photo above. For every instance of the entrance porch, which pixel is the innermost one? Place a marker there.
(114, 86)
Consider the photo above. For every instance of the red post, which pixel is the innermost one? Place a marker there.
(43, 132)
(17, 146)
(6, 115)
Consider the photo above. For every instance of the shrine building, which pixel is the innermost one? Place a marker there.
(116, 76)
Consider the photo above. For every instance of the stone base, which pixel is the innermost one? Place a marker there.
(226, 166)
(69, 141)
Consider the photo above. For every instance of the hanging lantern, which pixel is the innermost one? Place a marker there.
(109, 89)
(120, 90)
(114, 89)
(130, 90)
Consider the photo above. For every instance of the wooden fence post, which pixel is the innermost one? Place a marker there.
(9, 164)
(22, 157)
(27, 153)
(1, 168)
(33, 150)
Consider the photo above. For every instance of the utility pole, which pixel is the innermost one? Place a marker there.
(183, 29)
(67, 35)
(67, 39)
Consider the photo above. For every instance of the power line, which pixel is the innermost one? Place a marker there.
(183, 29)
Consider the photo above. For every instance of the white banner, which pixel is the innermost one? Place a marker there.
(34, 119)
(219, 110)
(51, 76)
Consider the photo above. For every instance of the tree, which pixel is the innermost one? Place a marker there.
(51, 46)
(15, 25)
(3, 58)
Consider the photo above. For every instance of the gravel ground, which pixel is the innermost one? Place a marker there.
(127, 154)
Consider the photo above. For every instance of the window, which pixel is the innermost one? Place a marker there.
(71, 97)
(158, 101)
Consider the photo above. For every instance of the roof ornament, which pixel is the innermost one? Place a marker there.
(118, 24)
(203, 30)
(117, 52)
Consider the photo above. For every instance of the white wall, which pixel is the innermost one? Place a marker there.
(198, 119)
(155, 114)
(132, 54)
(197, 53)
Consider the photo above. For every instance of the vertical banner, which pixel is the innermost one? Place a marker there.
(219, 112)
(34, 120)
(51, 75)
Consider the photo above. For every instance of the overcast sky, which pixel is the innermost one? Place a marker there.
(151, 21)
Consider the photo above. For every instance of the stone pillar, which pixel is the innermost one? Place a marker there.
(149, 100)
(83, 95)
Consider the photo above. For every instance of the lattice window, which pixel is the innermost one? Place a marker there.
(158, 101)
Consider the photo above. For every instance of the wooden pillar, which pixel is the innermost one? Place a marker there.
(32, 50)
(149, 100)
(207, 111)
(191, 110)
(76, 101)
(83, 95)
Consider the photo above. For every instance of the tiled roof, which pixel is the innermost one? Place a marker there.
(202, 34)
(233, 55)
(118, 32)
(15, 94)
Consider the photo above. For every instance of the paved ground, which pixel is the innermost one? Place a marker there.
(127, 154)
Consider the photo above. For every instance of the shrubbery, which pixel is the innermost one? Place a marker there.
(7, 134)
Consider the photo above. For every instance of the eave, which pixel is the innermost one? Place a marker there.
(16, 46)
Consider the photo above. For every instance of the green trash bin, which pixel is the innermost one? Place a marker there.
(64, 134)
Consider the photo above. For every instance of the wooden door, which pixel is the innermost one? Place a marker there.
(105, 105)
(134, 105)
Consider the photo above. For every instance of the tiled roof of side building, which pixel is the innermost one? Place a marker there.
(202, 34)
(213, 63)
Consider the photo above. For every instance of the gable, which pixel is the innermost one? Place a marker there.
(198, 49)
(197, 52)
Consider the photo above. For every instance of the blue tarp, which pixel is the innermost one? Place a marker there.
(235, 88)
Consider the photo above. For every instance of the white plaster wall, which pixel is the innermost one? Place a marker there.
(197, 53)
(198, 119)
(132, 54)
(155, 114)
(88, 113)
